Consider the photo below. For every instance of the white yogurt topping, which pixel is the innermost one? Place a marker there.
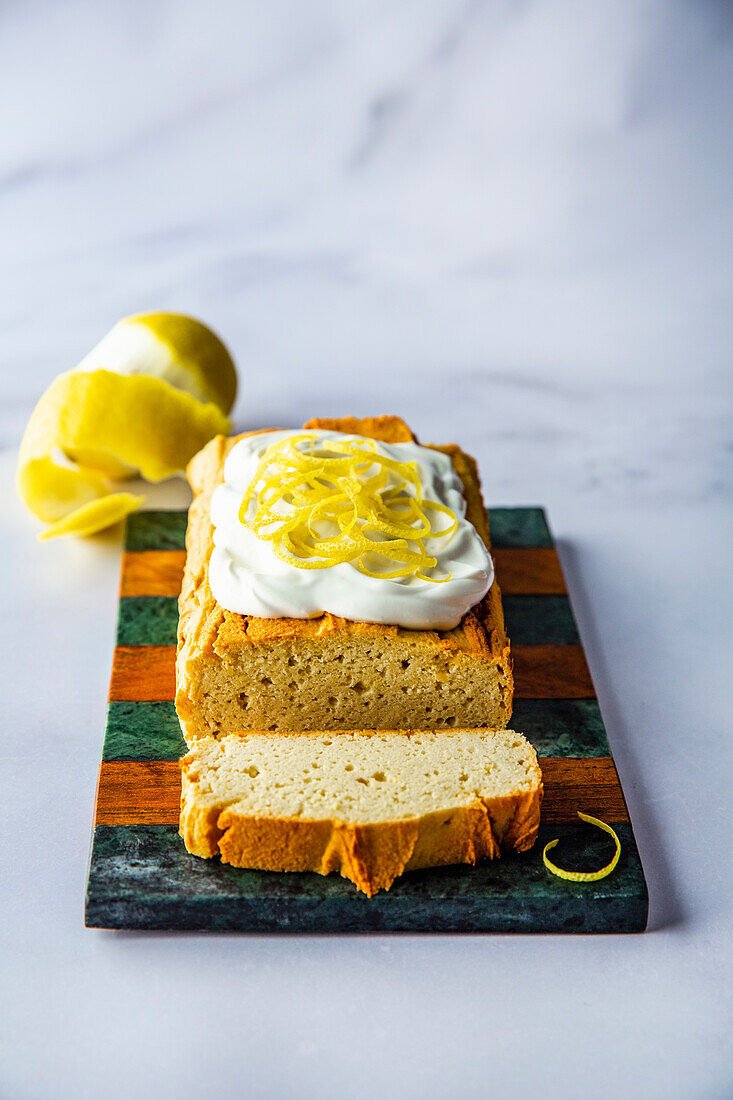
(248, 578)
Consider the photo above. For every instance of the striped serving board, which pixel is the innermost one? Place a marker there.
(142, 877)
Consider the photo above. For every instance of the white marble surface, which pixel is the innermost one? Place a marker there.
(511, 223)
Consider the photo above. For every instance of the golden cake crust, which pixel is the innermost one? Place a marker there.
(206, 630)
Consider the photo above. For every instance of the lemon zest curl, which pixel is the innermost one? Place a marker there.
(584, 876)
(342, 501)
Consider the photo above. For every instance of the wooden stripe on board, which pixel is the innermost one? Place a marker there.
(589, 784)
(551, 672)
(147, 673)
(135, 792)
(521, 571)
(148, 792)
(529, 571)
(143, 673)
(152, 572)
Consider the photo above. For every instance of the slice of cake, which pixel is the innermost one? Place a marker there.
(369, 804)
(237, 671)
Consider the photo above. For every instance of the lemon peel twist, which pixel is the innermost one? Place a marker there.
(342, 501)
(584, 876)
(142, 403)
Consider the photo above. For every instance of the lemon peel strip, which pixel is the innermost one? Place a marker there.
(95, 516)
(90, 427)
(584, 876)
(360, 512)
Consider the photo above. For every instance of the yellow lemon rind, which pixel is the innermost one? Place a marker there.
(95, 516)
(584, 876)
(140, 422)
(91, 427)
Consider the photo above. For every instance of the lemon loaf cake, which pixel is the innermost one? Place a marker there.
(369, 804)
(239, 671)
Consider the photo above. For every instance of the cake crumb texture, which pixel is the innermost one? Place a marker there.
(369, 804)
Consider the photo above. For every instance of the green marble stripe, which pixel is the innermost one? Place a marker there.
(156, 531)
(562, 727)
(143, 731)
(556, 727)
(530, 620)
(540, 620)
(147, 620)
(519, 527)
(142, 877)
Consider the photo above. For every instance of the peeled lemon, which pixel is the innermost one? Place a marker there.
(143, 402)
(170, 346)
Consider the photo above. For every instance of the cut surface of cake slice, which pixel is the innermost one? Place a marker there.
(238, 672)
(368, 804)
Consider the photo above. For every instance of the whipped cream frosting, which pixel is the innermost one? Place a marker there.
(246, 577)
